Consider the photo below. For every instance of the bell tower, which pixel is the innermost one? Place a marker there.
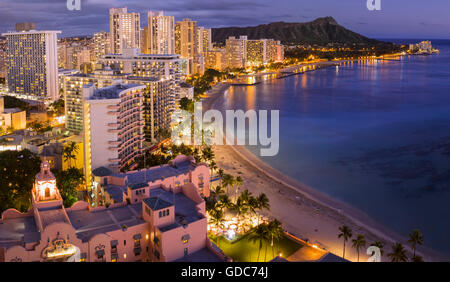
(45, 189)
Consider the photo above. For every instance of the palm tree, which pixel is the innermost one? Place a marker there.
(220, 172)
(207, 154)
(415, 238)
(358, 243)
(379, 245)
(225, 202)
(398, 253)
(212, 167)
(218, 191)
(216, 217)
(275, 232)
(227, 180)
(263, 202)
(346, 233)
(259, 234)
(70, 152)
(238, 182)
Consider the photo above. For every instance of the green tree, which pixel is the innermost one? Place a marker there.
(58, 107)
(67, 182)
(358, 243)
(398, 253)
(17, 175)
(216, 217)
(262, 203)
(187, 104)
(379, 245)
(70, 153)
(346, 233)
(227, 181)
(259, 234)
(415, 239)
(275, 233)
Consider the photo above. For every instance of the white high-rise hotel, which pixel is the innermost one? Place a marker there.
(32, 64)
(124, 29)
(161, 33)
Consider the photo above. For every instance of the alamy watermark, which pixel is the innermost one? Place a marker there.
(208, 128)
(74, 5)
(373, 5)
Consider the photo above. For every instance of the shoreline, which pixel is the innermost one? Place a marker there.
(326, 210)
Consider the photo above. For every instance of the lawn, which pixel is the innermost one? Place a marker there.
(244, 250)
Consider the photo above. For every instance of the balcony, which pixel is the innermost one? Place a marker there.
(113, 130)
(113, 107)
(114, 143)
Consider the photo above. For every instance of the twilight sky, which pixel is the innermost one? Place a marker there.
(397, 18)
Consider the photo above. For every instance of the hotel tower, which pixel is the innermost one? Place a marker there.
(32, 64)
(124, 29)
(161, 33)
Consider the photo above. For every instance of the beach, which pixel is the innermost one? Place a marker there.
(304, 211)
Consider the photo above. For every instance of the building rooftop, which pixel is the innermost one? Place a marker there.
(102, 171)
(143, 78)
(111, 92)
(330, 257)
(22, 229)
(12, 110)
(90, 223)
(185, 209)
(116, 192)
(202, 255)
(150, 175)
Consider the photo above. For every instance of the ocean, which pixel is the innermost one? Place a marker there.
(374, 134)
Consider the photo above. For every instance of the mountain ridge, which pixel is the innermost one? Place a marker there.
(322, 30)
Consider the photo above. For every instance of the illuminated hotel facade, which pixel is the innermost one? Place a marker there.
(113, 126)
(165, 223)
(32, 64)
(124, 30)
(159, 100)
(160, 33)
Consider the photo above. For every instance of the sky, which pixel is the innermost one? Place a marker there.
(415, 19)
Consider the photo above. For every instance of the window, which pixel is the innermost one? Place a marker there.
(160, 213)
(167, 212)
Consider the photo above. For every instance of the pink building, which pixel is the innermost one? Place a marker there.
(167, 224)
(133, 186)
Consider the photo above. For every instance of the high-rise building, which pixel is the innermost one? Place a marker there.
(25, 26)
(169, 69)
(158, 101)
(204, 40)
(113, 126)
(186, 43)
(32, 64)
(102, 44)
(124, 29)
(236, 49)
(161, 33)
(144, 41)
(216, 59)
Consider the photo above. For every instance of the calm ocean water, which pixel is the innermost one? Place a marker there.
(373, 134)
